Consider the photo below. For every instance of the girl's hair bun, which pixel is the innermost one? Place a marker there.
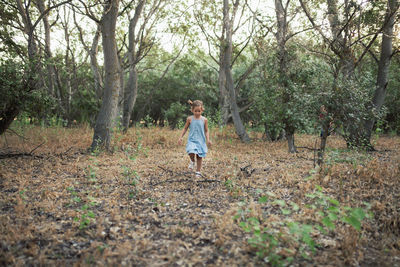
(190, 102)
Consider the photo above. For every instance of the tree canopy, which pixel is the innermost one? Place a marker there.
(287, 59)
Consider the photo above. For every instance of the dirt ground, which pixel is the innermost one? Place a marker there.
(139, 205)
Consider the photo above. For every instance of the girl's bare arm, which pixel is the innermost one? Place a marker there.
(207, 132)
(185, 128)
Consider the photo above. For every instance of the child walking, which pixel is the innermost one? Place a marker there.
(199, 136)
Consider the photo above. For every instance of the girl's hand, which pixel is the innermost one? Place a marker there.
(209, 143)
(180, 141)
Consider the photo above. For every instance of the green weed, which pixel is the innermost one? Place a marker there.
(278, 244)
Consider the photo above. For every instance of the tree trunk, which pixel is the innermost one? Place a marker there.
(384, 63)
(7, 117)
(223, 93)
(68, 93)
(106, 118)
(130, 96)
(291, 145)
(324, 137)
(240, 129)
(130, 92)
(223, 96)
(98, 81)
(47, 48)
(92, 52)
(282, 37)
(33, 64)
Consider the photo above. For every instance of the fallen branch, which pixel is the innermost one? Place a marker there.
(175, 174)
(15, 155)
(36, 148)
(170, 181)
(246, 171)
(17, 134)
(186, 180)
(309, 148)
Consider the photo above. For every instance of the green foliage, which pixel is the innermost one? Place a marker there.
(15, 92)
(330, 212)
(391, 123)
(167, 100)
(354, 157)
(132, 178)
(270, 238)
(175, 114)
(293, 104)
(86, 215)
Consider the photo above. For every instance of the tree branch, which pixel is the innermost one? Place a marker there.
(47, 11)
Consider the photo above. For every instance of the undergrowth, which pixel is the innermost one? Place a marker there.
(278, 243)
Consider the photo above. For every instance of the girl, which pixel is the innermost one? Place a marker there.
(198, 135)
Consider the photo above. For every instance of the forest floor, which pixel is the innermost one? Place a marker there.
(139, 205)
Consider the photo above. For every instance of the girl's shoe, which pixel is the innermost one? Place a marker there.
(198, 175)
(191, 165)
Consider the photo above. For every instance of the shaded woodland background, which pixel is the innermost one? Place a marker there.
(93, 94)
(269, 65)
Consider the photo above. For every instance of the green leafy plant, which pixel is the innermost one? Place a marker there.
(22, 194)
(91, 174)
(331, 212)
(86, 215)
(133, 178)
(279, 243)
(232, 188)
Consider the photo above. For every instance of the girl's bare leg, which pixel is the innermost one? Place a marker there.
(191, 155)
(199, 163)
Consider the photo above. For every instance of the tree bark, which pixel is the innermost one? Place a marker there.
(384, 63)
(227, 59)
(7, 117)
(282, 37)
(67, 97)
(47, 48)
(106, 118)
(92, 52)
(340, 42)
(324, 137)
(223, 94)
(98, 80)
(131, 90)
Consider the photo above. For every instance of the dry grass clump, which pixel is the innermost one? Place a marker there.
(138, 205)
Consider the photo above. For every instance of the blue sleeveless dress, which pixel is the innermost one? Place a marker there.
(197, 138)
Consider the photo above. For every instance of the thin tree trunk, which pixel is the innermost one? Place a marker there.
(106, 118)
(47, 48)
(240, 129)
(130, 92)
(68, 93)
(324, 137)
(224, 97)
(291, 145)
(98, 80)
(281, 37)
(223, 93)
(92, 52)
(130, 96)
(384, 64)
